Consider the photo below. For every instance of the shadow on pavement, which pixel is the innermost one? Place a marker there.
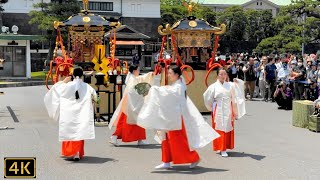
(242, 154)
(93, 160)
(187, 170)
(6, 128)
(149, 146)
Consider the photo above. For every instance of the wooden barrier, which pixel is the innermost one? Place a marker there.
(301, 111)
(196, 89)
(314, 123)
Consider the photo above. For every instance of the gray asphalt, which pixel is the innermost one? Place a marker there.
(267, 147)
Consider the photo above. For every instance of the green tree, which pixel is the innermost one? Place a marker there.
(58, 10)
(310, 10)
(171, 14)
(174, 10)
(292, 29)
(1, 10)
(235, 19)
(171, 2)
(208, 15)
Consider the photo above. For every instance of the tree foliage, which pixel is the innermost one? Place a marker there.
(286, 32)
(174, 10)
(1, 10)
(259, 24)
(241, 25)
(292, 29)
(47, 13)
(235, 19)
(171, 14)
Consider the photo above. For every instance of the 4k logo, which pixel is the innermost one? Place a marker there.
(19, 167)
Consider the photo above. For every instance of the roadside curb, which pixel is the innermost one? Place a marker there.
(23, 84)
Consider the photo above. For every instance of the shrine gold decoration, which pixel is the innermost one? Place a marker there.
(56, 24)
(85, 5)
(115, 24)
(176, 24)
(223, 29)
(190, 6)
(81, 37)
(194, 39)
(104, 65)
(86, 19)
(193, 24)
(89, 28)
(164, 31)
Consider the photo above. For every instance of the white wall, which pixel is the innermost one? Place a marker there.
(130, 8)
(20, 42)
(141, 8)
(135, 8)
(264, 6)
(21, 6)
(116, 4)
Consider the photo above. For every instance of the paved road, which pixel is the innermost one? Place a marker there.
(267, 147)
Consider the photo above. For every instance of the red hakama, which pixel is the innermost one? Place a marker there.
(128, 132)
(226, 140)
(71, 148)
(176, 148)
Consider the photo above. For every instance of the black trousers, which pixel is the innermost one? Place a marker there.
(271, 89)
(232, 76)
(298, 90)
(285, 103)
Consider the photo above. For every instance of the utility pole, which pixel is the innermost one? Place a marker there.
(303, 30)
(42, 31)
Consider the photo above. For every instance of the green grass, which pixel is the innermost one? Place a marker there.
(38, 75)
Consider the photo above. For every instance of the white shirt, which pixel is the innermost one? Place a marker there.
(261, 77)
(278, 66)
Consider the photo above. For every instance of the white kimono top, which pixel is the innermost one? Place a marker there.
(164, 109)
(75, 116)
(131, 102)
(225, 99)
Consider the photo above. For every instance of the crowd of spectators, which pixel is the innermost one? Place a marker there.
(278, 78)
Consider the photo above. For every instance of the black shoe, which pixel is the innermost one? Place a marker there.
(288, 109)
(281, 107)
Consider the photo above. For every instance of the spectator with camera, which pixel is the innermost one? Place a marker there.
(313, 91)
(240, 73)
(284, 72)
(283, 96)
(298, 75)
(232, 69)
(311, 76)
(309, 65)
(250, 78)
(261, 69)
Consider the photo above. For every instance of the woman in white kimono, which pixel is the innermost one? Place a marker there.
(226, 101)
(71, 103)
(127, 111)
(181, 128)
